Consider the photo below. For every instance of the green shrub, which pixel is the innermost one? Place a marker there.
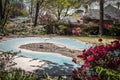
(62, 29)
(114, 31)
(17, 75)
(92, 30)
(18, 12)
(107, 74)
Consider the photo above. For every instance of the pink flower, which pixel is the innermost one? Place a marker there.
(74, 71)
(74, 60)
(84, 56)
(100, 40)
(80, 69)
(80, 56)
(91, 58)
(105, 51)
(116, 42)
(107, 25)
(75, 30)
(85, 64)
(84, 50)
(110, 47)
(118, 38)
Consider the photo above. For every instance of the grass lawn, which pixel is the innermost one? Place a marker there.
(93, 39)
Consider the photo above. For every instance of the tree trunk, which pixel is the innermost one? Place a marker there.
(1, 9)
(58, 16)
(118, 5)
(66, 12)
(4, 14)
(38, 4)
(59, 13)
(31, 8)
(101, 26)
(36, 14)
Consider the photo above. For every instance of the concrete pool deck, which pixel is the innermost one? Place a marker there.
(26, 64)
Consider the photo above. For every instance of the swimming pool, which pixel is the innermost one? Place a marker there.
(57, 60)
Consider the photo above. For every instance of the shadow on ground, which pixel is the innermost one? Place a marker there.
(55, 70)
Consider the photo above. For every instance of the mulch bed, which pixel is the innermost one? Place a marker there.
(50, 47)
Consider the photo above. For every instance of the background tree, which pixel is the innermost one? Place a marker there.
(38, 5)
(118, 5)
(9, 9)
(5, 8)
(101, 7)
(18, 9)
(101, 26)
(60, 8)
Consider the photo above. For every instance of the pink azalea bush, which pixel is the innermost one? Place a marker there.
(107, 25)
(105, 56)
(75, 30)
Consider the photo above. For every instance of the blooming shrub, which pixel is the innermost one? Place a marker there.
(105, 57)
(107, 25)
(75, 30)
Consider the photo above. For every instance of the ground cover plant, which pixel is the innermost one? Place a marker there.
(101, 62)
